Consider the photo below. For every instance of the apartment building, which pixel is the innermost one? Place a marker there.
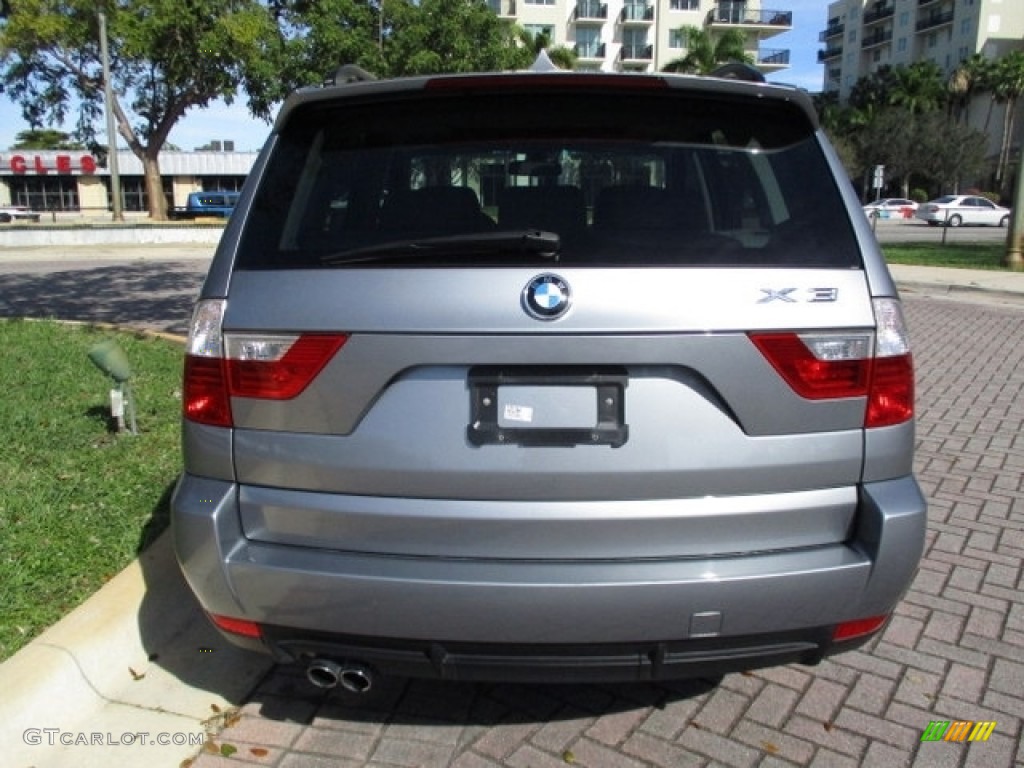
(644, 35)
(862, 35)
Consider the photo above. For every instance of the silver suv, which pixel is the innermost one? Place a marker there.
(548, 376)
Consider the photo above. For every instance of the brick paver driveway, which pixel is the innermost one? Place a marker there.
(954, 651)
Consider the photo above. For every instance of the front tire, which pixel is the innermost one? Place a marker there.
(1003, 222)
(955, 220)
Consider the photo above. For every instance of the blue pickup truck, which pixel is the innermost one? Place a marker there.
(214, 204)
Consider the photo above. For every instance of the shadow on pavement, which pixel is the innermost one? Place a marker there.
(149, 295)
(286, 695)
(178, 639)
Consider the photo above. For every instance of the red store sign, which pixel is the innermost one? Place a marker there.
(50, 163)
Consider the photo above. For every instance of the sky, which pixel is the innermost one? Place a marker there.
(220, 122)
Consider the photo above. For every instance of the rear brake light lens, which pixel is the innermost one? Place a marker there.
(825, 366)
(819, 367)
(264, 366)
(849, 630)
(242, 627)
(277, 367)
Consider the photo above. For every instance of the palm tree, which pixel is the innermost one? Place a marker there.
(918, 88)
(967, 81)
(706, 52)
(1007, 88)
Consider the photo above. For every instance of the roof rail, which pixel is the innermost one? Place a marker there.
(349, 73)
(738, 70)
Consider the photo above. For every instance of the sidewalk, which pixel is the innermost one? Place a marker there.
(992, 284)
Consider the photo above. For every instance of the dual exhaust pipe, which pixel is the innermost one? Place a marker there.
(353, 677)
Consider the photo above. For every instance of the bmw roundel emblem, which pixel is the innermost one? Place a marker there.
(546, 297)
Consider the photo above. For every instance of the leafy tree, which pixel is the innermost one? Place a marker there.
(392, 38)
(166, 57)
(45, 139)
(706, 51)
(949, 153)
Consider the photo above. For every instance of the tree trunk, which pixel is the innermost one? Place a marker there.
(1004, 149)
(156, 201)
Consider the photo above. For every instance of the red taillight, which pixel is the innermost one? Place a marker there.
(284, 377)
(824, 366)
(242, 627)
(849, 630)
(810, 376)
(205, 393)
(892, 392)
(220, 366)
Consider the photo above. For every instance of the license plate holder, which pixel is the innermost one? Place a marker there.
(547, 406)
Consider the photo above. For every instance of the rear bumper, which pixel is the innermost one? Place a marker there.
(472, 619)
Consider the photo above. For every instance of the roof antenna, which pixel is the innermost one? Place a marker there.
(543, 63)
(349, 73)
(738, 70)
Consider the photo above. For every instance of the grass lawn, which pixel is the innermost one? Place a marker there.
(962, 255)
(77, 500)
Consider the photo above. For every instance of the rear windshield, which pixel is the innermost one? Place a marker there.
(602, 177)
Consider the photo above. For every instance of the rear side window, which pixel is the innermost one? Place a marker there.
(589, 177)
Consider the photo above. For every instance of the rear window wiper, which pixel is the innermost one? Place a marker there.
(535, 242)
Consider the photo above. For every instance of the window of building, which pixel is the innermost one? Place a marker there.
(222, 183)
(540, 2)
(588, 42)
(538, 30)
(676, 38)
(45, 193)
(933, 40)
(965, 27)
(904, 19)
(901, 45)
(684, 5)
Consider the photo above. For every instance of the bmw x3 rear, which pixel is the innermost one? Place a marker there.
(546, 377)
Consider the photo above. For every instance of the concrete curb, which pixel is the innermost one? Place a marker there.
(134, 676)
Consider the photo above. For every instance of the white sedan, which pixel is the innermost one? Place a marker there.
(890, 207)
(957, 210)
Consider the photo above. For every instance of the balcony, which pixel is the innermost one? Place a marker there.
(637, 13)
(631, 52)
(771, 59)
(934, 20)
(881, 37)
(590, 51)
(832, 52)
(590, 12)
(832, 30)
(880, 12)
(737, 14)
(926, 2)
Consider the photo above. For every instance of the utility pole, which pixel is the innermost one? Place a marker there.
(108, 101)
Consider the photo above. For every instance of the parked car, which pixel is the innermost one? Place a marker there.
(891, 207)
(217, 205)
(957, 210)
(9, 213)
(547, 376)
